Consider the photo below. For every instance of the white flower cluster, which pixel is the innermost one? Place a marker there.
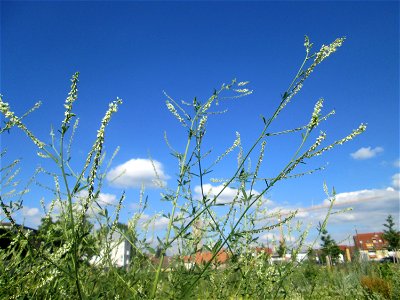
(112, 108)
(316, 114)
(97, 148)
(72, 96)
(243, 83)
(173, 110)
(42, 155)
(117, 211)
(14, 120)
(64, 249)
(242, 90)
(323, 53)
(319, 140)
(208, 103)
(260, 159)
(352, 135)
(202, 123)
(54, 273)
(307, 44)
(236, 143)
(293, 93)
(348, 138)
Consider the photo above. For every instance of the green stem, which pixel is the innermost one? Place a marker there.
(244, 213)
(75, 259)
(174, 205)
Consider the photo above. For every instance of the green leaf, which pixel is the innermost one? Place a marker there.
(244, 194)
(161, 242)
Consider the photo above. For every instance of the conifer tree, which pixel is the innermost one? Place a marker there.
(329, 247)
(391, 235)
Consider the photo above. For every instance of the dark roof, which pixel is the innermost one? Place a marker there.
(9, 225)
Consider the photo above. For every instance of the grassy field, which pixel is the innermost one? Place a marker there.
(242, 278)
(57, 261)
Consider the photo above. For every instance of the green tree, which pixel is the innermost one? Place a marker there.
(391, 235)
(282, 248)
(52, 235)
(329, 247)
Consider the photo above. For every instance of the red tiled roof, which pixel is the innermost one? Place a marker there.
(265, 250)
(370, 241)
(344, 247)
(205, 257)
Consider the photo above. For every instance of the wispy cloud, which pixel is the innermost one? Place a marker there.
(227, 196)
(155, 222)
(369, 208)
(31, 216)
(274, 238)
(137, 172)
(366, 152)
(104, 198)
(396, 163)
(396, 181)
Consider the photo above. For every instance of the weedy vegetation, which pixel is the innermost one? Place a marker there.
(71, 253)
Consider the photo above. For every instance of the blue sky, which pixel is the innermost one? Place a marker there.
(136, 50)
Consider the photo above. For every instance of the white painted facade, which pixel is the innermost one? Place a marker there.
(120, 250)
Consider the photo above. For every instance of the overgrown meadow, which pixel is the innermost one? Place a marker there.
(71, 253)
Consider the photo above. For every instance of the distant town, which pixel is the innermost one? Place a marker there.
(368, 246)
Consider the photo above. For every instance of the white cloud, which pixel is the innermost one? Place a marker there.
(154, 222)
(227, 196)
(30, 212)
(269, 237)
(31, 216)
(161, 222)
(366, 152)
(137, 172)
(370, 208)
(107, 199)
(365, 196)
(103, 199)
(396, 163)
(396, 180)
(272, 239)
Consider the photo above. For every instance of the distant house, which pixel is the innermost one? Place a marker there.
(204, 257)
(166, 264)
(120, 254)
(348, 252)
(121, 250)
(6, 233)
(371, 246)
(267, 251)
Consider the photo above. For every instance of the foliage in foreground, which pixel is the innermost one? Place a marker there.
(71, 259)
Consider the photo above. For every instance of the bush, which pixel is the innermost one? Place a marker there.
(375, 285)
